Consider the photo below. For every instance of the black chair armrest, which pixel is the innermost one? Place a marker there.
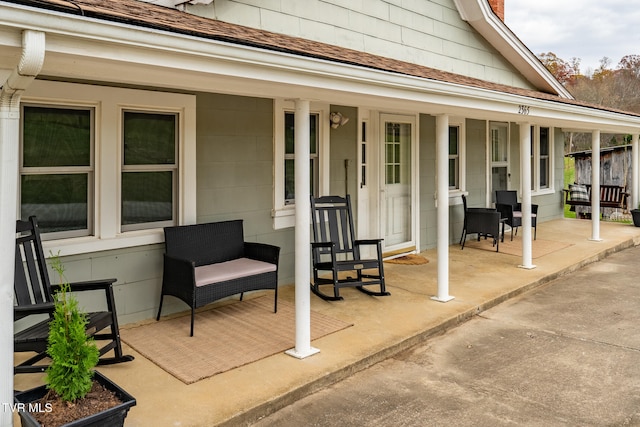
(361, 242)
(27, 310)
(481, 210)
(262, 252)
(315, 245)
(506, 211)
(90, 285)
(177, 265)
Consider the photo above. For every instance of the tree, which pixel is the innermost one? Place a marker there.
(563, 71)
(617, 88)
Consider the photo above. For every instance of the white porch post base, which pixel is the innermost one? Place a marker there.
(527, 267)
(595, 239)
(445, 298)
(298, 354)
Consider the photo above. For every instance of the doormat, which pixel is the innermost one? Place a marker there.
(224, 338)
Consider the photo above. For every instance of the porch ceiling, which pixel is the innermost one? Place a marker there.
(101, 50)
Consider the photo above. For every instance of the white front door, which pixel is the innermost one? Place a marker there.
(397, 182)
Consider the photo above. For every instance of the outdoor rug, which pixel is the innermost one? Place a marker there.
(224, 338)
(411, 259)
(539, 247)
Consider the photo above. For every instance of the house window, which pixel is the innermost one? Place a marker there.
(283, 212)
(289, 157)
(104, 167)
(541, 145)
(457, 161)
(57, 168)
(544, 171)
(149, 169)
(454, 158)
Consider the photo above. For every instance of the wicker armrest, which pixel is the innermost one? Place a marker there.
(262, 252)
(506, 211)
(178, 265)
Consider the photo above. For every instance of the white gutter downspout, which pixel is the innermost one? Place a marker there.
(33, 49)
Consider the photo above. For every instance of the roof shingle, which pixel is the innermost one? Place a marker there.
(147, 15)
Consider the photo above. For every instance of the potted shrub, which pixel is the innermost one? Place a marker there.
(74, 394)
(635, 214)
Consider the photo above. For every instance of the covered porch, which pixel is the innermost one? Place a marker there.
(381, 327)
(294, 82)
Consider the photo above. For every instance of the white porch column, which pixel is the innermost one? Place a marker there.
(525, 179)
(33, 48)
(442, 212)
(595, 185)
(635, 173)
(302, 232)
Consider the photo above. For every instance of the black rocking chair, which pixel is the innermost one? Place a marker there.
(335, 250)
(34, 296)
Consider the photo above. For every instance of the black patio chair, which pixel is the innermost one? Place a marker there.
(484, 222)
(33, 295)
(337, 253)
(508, 206)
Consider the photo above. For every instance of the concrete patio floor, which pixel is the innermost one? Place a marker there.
(382, 326)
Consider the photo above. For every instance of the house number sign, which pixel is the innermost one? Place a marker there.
(523, 109)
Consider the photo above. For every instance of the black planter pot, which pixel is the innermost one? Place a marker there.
(635, 213)
(113, 417)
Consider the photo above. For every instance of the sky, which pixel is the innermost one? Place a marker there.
(585, 29)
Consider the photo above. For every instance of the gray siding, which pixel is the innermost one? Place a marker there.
(235, 169)
(426, 32)
(427, 168)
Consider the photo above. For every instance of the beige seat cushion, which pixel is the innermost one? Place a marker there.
(518, 214)
(229, 270)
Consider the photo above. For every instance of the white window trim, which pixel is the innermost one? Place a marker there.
(108, 103)
(454, 194)
(284, 215)
(535, 179)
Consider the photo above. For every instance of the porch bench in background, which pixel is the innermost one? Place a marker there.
(611, 196)
(204, 263)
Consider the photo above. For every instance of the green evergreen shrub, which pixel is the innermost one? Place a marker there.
(73, 354)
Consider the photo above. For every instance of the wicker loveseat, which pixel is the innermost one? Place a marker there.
(207, 262)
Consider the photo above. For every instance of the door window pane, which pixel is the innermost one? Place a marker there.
(499, 143)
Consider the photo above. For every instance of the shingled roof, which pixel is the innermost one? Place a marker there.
(147, 15)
